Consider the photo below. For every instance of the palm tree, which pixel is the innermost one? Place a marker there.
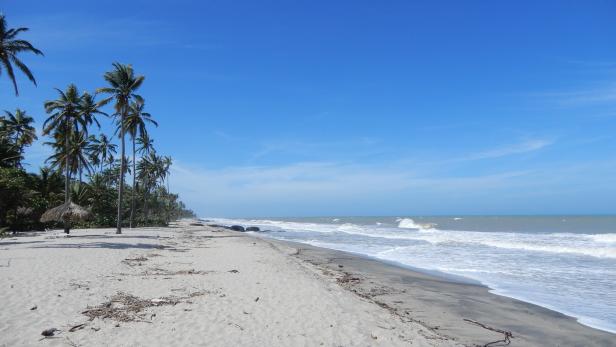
(78, 153)
(123, 85)
(148, 172)
(18, 129)
(90, 108)
(135, 124)
(167, 162)
(49, 185)
(9, 155)
(102, 150)
(67, 120)
(165, 172)
(146, 144)
(10, 46)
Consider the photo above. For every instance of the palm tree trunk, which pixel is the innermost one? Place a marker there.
(167, 208)
(121, 183)
(132, 196)
(67, 177)
(145, 204)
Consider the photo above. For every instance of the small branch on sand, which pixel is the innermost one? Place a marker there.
(135, 261)
(77, 327)
(237, 325)
(508, 335)
(163, 272)
(348, 278)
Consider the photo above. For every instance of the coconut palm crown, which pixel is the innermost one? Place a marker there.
(10, 48)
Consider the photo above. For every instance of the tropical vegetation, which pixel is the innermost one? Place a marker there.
(85, 170)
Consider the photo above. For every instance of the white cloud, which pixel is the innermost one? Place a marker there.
(604, 94)
(321, 188)
(518, 148)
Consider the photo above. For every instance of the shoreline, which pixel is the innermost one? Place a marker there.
(459, 279)
(457, 299)
(527, 276)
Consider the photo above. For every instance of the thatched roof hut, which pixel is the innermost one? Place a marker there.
(66, 212)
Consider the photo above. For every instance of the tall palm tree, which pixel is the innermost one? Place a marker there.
(10, 46)
(123, 83)
(66, 120)
(102, 150)
(135, 123)
(18, 129)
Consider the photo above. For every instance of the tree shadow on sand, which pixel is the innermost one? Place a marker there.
(108, 245)
(7, 243)
(115, 236)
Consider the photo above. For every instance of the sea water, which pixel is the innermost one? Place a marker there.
(565, 263)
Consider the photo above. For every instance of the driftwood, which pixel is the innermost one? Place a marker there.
(124, 307)
(506, 340)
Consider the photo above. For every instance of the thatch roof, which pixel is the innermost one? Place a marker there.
(67, 211)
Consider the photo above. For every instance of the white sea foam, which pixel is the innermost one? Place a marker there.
(408, 223)
(604, 238)
(593, 245)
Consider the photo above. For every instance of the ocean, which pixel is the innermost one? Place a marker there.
(564, 263)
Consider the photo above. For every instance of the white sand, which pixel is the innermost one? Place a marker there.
(297, 305)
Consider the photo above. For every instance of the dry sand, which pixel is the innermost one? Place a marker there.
(184, 286)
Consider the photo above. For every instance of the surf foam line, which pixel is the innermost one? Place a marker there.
(591, 245)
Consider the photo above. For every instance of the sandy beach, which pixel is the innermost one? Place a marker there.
(197, 285)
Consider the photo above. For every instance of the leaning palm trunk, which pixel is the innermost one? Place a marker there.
(132, 196)
(122, 168)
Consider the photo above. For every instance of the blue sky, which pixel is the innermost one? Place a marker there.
(303, 108)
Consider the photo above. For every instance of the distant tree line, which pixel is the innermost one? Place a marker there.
(85, 169)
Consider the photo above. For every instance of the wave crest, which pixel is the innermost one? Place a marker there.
(408, 223)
